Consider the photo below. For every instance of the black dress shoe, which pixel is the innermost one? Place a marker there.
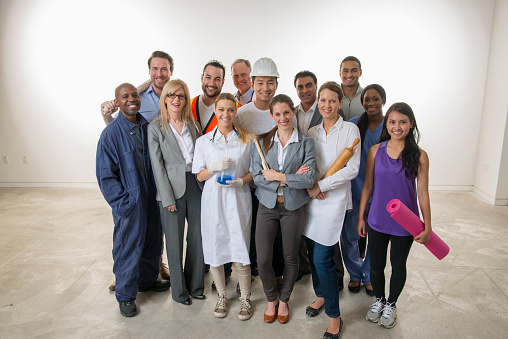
(157, 286)
(370, 293)
(312, 312)
(200, 297)
(354, 289)
(328, 335)
(186, 302)
(127, 308)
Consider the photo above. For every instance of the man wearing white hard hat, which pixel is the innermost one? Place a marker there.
(255, 117)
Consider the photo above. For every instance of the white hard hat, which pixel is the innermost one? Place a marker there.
(264, 67)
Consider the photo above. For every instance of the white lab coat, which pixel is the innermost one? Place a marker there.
(225, 212)
(325, 217)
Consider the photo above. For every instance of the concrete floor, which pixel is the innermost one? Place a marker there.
(55, 269)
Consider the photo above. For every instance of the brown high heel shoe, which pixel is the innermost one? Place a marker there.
(271, 318)
(283, 318)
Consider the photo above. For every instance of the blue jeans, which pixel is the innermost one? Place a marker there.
(324, 278)
(358, 271)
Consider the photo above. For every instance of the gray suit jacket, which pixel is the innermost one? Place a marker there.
(167, 161)
(295, 192)
(316, 120)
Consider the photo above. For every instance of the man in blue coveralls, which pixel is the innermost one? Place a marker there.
(160, 68)
(124, 174)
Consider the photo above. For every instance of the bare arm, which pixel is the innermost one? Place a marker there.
(368, 185)
(203, 175)
(422, 188)
(247, 178)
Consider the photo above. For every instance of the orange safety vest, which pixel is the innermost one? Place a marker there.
(212, 123)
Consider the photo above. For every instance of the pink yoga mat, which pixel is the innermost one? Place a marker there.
(407, 219)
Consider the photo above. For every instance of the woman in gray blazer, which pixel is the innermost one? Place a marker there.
(171, 140)
(282, 193)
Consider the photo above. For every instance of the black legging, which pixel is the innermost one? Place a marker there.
(399, 251)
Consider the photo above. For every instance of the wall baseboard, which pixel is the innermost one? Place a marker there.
(50, 184)
(462, 188)
(489, 199)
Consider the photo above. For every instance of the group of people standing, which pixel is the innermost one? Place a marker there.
(246, 173)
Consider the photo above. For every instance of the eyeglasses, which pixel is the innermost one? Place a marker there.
(173, 95)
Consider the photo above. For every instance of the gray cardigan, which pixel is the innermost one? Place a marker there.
(167, 161)
(295, 192)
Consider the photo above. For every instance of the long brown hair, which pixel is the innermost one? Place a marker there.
(410, 155)
(270, 135)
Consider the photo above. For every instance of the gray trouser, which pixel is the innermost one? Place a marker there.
(291, 224)
(185, 279)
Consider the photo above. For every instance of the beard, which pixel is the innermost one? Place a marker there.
(216, 91)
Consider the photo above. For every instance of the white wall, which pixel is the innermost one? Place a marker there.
(491, 180)
(61, 59)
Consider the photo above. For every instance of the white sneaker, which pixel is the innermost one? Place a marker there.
(387, 320)
(220, 310)
(245, 309)
(375, 311)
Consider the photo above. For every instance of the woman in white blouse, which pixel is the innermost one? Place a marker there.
(331, 198)
(171, 140)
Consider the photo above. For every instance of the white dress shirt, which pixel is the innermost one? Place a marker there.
(186, 145)
(283, 151)
(304, 118)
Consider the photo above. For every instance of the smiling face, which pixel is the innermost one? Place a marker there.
(283, 116)
(350, 73)
(373, 102)
(398, 125)
(241, 77)
(175, 102)
(160, 72)
(329, 104)
(212, 81)
(264, 87)
(127, 99)
(225, 110)
(306, 89)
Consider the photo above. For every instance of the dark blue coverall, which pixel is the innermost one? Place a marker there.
(130, 192)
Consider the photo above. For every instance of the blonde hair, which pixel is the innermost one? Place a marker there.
(244, 135)
(186, 114)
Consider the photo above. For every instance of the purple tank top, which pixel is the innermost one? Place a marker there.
(390, 182)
